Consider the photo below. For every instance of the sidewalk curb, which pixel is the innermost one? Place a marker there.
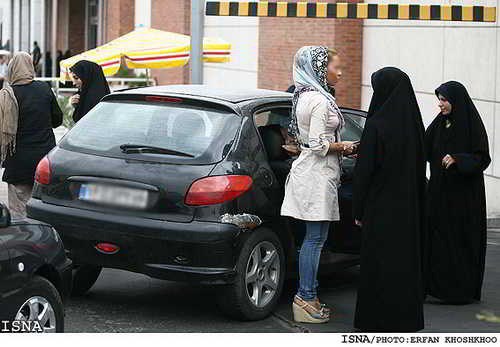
(290, 324)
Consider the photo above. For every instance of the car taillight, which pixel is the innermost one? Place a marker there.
(43, 172)
(217, 189)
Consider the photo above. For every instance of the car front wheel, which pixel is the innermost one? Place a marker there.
(40, 304)
(84, 277)
(260, 274)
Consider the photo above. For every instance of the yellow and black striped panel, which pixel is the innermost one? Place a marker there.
(350, 10)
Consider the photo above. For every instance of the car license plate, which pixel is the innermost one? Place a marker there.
(115, 196)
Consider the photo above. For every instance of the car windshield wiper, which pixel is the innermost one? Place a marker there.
(133, 148)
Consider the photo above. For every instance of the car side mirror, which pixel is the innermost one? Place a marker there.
(5, 218)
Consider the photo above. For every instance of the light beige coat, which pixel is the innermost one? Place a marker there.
(311, 186)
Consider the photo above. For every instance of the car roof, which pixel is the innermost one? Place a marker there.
(204, 91)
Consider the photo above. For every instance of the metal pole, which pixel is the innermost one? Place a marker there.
(11, 42)
(54, 39)
(197, 26)
(43, 43)
(20, 25)
(87, 25)
(30, 23)
(100, 28)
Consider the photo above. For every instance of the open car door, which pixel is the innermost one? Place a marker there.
(345, 236)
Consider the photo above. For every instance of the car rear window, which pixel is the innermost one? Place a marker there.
(203, 133)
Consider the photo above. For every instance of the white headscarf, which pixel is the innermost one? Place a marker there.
(310, 70)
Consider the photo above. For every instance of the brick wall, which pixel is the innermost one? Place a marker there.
(62, 25)
(280, 38)
(174, 16)
(77, 26)
(120, 18)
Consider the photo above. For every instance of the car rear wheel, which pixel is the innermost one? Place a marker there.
(260, 274)
(84, 277)
(40, 302)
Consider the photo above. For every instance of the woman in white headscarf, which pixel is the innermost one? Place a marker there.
(28, 112)
(311, 187)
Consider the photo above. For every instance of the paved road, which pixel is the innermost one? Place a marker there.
(127, 302)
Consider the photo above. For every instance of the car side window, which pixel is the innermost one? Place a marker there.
(275, 116)
(261, 118)
(352, 130)
(272, 125)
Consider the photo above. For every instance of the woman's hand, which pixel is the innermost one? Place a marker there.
(344, 147)
(75, 99)
(448, 161)
(291, 149)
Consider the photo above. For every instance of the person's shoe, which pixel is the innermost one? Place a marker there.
(305, 312)
(324, 307)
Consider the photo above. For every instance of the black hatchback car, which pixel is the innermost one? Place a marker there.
(185, 183)
(35, 276)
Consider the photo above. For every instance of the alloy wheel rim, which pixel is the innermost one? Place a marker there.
(262, 274)
(40, 310)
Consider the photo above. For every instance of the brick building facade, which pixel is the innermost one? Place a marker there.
(171, 15)
(117, 20)
(262, 51)
(279, 39)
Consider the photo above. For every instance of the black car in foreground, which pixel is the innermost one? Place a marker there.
(35, 276)
(185, 183)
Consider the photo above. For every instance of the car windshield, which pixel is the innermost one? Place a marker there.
(111, 126)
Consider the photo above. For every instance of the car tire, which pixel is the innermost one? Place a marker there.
(84, 277)
(238, 300)
(42, 294)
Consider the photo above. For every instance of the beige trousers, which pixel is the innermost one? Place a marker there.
(18, 196)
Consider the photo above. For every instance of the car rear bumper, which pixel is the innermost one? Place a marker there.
(197, 251)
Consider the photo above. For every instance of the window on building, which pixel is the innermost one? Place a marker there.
(93, 23)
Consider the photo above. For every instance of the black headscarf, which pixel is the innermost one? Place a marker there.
(93, 89)
(388, 197)
(394, 100)
(465, 133)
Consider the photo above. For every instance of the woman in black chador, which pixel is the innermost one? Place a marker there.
(455, 246)
(92, 87)
(389, 203)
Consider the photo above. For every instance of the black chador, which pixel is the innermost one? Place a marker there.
(94, 87)
(455, 244)
(389, 188)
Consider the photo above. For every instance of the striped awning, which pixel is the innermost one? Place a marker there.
(147, 48)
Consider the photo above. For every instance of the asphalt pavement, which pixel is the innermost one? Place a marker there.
(122, 301)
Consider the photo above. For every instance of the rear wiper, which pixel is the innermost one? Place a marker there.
(133, 148)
